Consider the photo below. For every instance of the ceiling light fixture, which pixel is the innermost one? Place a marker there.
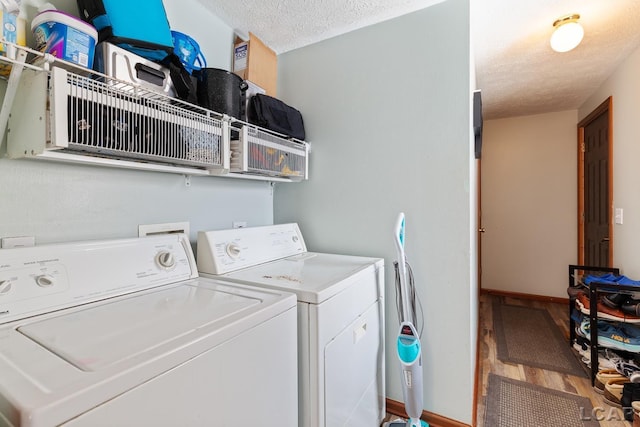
(568, 33)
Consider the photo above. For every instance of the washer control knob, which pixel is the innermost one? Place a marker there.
(233, 250)
(44, 281)
(5, 287)
(165, 259)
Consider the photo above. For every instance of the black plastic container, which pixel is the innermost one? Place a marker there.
(221, 91)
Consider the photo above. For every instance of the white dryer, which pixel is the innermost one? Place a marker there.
(125, 333)
(340, 316)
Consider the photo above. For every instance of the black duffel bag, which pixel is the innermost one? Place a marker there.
(273, 114)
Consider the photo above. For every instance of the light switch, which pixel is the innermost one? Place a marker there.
(619, 216)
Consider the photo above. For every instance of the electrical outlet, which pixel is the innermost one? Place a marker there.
(239, 224)
(166, 228)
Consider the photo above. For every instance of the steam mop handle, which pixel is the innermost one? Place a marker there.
(402, 268)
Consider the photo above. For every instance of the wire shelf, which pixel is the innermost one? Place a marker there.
(115, 119)
(94, 116)
(260, 152)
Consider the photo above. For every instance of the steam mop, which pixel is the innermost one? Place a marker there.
(408, 343)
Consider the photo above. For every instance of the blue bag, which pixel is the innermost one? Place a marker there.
(139, 26)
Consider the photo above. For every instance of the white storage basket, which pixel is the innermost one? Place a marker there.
(117, 120)
(258, 151)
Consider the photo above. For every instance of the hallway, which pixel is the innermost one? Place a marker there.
(606, 414)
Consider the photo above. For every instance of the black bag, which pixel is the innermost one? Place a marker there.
(184, 83)
(273, 114)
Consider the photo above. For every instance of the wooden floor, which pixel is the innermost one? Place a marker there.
(550, 379)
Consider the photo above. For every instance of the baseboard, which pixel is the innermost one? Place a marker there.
(397, 408)
(533, 297)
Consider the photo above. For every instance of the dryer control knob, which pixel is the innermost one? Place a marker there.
(44, 281)
(233, 250)
(5, 287)
(165, 259)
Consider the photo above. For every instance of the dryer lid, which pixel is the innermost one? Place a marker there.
(313, 277)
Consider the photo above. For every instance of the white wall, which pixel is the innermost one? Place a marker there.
(214, 36)
(529, 203)
(474, 287)
(387, 110)
(58, 202)
(624, 86)
(61, 202)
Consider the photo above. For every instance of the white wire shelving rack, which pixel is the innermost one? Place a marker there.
(55, 110)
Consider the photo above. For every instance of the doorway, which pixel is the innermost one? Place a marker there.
(595, 187)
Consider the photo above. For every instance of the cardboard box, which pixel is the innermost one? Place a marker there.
(255, 61)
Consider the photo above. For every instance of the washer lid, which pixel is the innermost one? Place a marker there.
(313, 277)
(60, 364)
(105, 334)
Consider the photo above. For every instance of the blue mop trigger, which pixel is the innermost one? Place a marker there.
(408, 344)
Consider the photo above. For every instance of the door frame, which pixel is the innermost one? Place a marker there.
(606, 106)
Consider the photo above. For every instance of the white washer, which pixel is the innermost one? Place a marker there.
(125, 333)
(340, 316)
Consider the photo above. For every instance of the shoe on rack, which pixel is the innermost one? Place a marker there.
(631, 306)
(613, 391)
(577, 316)
(582, 303)
(604, 362)
(584, 353)
(574, 291)
(604, 311)
(614, 300)
(618, 336)
(584, 329)
(608, 278)
(583, 349)
(627, 367)
(621, 337)
(612, 357)
(615, 314)
(605, 375)
(630, 393)
(631, 329)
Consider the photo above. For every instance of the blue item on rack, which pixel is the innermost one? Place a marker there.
(139, 26)
(618, 336)
(611, 279)
(188, 50)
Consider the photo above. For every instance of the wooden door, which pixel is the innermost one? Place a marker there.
(595, 179)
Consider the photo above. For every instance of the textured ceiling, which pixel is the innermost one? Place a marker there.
(285, 25)
(516, 69)
(518, 72)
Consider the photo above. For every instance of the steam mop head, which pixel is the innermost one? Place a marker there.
(401, 423)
